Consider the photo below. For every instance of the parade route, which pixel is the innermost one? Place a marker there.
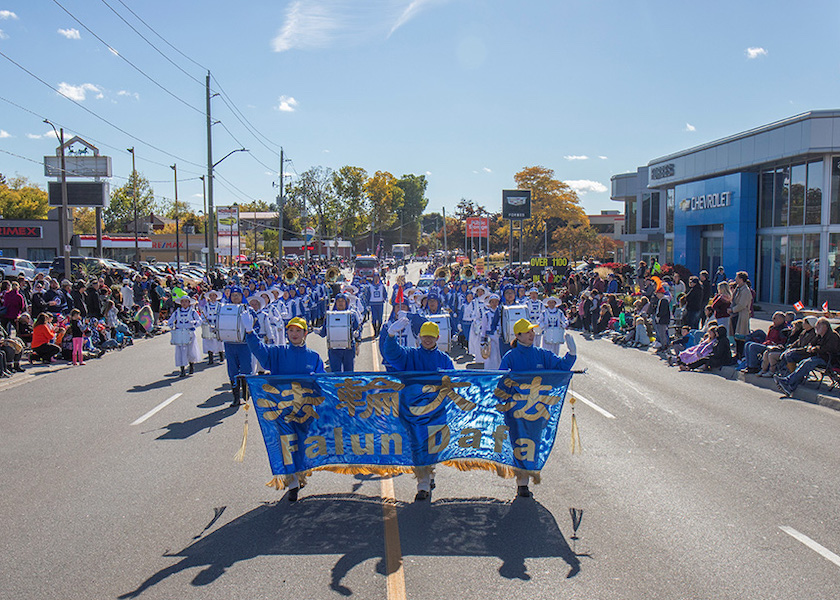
(120, 483)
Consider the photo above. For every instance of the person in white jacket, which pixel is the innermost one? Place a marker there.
(183, 323)
(553, 324)
(491, 332)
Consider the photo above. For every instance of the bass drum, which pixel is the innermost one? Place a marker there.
(338, 329)
(229, 323)
(445, 339)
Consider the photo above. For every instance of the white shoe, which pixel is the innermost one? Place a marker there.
(765, 374)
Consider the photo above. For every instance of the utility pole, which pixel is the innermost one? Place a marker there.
(281, 203)
(445, 243)
(177, 222)
(211, 215)
(204, 195)
(66, 228)
(134, 196)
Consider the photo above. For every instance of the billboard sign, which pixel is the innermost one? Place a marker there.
(227, 221)
(516, 204)
(81, 193)
(539, 264)
(478, 227)
(78, 166)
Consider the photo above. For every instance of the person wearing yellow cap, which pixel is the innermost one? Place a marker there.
(524, 356)
(425, 358)
(292, 359)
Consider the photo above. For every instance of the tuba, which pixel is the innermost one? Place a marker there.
(485, 350)
(291, 276)
(467, 273)
(332, 275)
(442, 273)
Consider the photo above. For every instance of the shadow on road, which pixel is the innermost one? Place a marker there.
(350, 525)
(181, 430)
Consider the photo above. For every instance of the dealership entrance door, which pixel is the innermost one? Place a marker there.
(711, 248)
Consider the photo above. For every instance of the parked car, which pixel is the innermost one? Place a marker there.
(43, 266)
(425, 282)
(80, 267)
(12, 268)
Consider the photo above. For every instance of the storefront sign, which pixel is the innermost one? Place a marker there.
(478, 227)
(707, 201)
(662, 171)
(166, 245)
(21, 232)
(516, 204)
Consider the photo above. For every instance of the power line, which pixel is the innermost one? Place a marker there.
(103, 119)
(232, 106)
(156, 49)
(135, 67)
(230, 133)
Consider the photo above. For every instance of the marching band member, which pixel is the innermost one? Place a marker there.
(491, 332)
(535, 309)
(342, 359)
(553, 324)
(277, 317)
(239, 359)
(471, 324)
(292, 359)
(524, 356)
(425, 358)
(210, 313)
(183, 323)
(377, 294)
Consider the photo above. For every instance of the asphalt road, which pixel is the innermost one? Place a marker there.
(685, 482)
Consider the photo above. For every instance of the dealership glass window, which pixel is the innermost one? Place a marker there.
(669, 210)
(9, 252)
(797, 195)
(811, 269)
(38, 254)
(779, 268)
(834, 260)
(835, 190)
(813, 197)
(630, 216)
(765, 262)
(645, 211)
(669, 252)
(781, 197)
(654, 210)
(794, 268)
(765, 199)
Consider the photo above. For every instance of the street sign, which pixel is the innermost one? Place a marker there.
(478, 227)
(516, 204)
(81, 193)
(78, 166)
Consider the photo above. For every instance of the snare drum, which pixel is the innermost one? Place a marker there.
(180, 337)
(338, 325)
(510, 315)
(207, 332)
(229, 323)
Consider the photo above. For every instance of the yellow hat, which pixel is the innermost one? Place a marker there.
(297, 322)
(430, 328)
(523, 325)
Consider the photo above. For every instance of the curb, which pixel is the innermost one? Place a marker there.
(803, 393)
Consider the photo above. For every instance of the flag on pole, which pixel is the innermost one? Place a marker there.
(825, 306)
(799, 305)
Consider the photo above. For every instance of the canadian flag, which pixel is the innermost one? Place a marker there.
(799, 305)
(825, 306)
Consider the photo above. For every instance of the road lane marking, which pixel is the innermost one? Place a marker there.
(394, 574)
(158, 408)
(815, 546)
(592, 405)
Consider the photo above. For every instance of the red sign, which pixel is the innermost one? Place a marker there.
(20, 231)
(166, 245)
(478, 227)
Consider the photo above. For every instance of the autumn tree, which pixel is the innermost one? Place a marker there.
(20, 199)
(553, 204)
(314, 191)
(349, 186)
(414, 203)
(575, 241)
(120, 209)
(385, 198)
(84, 220)
(605, 247)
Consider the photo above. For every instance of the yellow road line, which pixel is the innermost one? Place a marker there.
(394, 574)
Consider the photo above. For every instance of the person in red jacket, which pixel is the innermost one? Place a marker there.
(776, 337)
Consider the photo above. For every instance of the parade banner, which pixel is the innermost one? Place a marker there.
(391, 422)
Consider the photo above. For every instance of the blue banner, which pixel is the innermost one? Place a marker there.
(391, 422)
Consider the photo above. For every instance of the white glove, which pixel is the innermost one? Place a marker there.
(247, 320)
(397, 326)
(570, 344)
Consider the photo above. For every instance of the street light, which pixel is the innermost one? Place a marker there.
(211, 214)
(63, 225)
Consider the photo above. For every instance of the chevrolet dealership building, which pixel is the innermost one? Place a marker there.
(766, 201)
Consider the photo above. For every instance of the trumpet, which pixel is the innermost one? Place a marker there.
(332, 275)
(443, 273)
(291, 276)
(467, 273)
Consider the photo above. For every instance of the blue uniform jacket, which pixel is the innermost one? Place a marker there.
(415, 359)
(522, 358)
(285, 360)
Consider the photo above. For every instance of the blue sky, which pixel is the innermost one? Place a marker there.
(465, 91)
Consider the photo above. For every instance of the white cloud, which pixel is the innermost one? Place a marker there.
(690, 127)
(7, 14)
(582, 186)
(755, 52)
(576, 157)
(128, 94)
(428, 172)
(311, 24)
(3, 36)
(70, 34)
(4, 134)
(325, 151)
(79, 92)
(48, 134)
(287, 104)
(603, 157)
(486, 170)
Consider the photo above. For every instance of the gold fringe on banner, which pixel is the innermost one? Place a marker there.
(503, 471)
(240, 456)
(575, 444)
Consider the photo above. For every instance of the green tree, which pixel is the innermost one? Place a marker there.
(314, 191)
(384, 198)
(120, 210)
(84, 220)
(575, 241)
(349, 186)
(20, 199)
(414, 203)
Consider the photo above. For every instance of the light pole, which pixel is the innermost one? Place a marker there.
(134, 197)
(211, 215)
(63, 225)
(177, 222)
(204, 194)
